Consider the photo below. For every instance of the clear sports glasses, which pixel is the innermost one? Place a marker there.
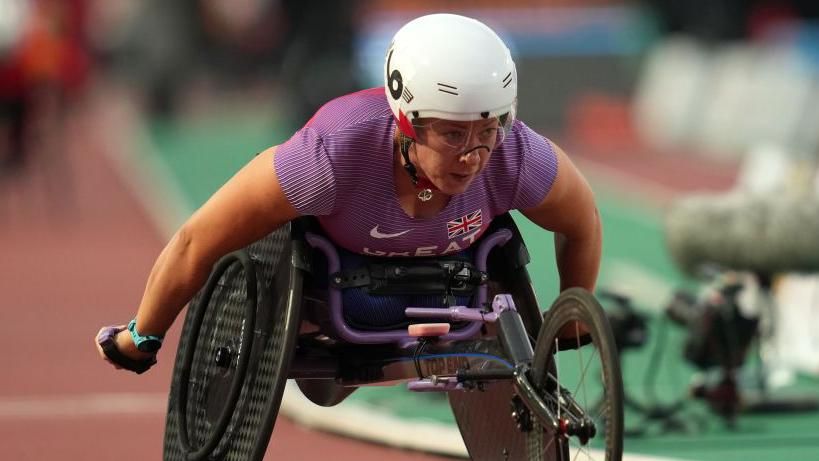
(451, 137)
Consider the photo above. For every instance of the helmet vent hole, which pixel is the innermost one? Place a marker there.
(444, 88)
(507, 80)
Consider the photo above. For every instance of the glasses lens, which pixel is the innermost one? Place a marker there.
(454, 137)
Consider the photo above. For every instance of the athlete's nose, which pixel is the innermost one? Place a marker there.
(474, 140)
(474, 154)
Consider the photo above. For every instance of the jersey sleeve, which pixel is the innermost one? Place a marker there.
(538, 169)
(306, 174)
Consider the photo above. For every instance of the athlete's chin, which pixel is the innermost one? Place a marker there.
(455, 187)
(458, 183)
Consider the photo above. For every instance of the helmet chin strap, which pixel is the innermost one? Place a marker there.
(404, 143)
(425, 186)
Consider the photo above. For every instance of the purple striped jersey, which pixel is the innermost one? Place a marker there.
(339, 168)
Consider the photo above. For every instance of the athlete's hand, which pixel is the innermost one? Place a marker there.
(118, 341)
(573, 335)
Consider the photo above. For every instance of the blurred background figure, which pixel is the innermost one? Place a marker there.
(721, 69)
(318, 61)
(276, 52)
(44, 67)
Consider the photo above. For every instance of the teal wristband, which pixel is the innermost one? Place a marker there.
(148, 343)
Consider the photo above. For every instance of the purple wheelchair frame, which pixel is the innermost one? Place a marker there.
(474, 315)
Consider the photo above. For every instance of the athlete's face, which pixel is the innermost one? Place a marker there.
(451, 154)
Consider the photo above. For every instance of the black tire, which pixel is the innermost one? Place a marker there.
(234, 355)
(588, 370)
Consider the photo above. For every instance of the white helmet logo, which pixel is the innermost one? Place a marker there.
(395, 83)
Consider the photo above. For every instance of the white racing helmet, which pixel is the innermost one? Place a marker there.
(450, 67)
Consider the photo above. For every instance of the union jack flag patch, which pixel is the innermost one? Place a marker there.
(464, 224)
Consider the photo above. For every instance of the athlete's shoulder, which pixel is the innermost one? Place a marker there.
(521, 130)
(520, 141)
(353, 109)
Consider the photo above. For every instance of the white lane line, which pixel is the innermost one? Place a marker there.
(79, 406)
(139, 166)
(360, 422)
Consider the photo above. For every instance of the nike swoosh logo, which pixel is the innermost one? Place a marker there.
(375, 234)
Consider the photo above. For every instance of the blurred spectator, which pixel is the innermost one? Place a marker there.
(148, 44)
(303, 47)
(42, 68)
(709, 20)
(318, 64)
(724, 20)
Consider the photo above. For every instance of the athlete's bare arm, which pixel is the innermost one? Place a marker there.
(246, 208)
(570, 212)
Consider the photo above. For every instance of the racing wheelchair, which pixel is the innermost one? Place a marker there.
(522, 385)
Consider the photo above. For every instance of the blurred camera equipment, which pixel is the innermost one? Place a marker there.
(719, 336)
(630, 329)
(720, 340)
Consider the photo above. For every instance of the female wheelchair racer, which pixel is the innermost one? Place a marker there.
(459, 161)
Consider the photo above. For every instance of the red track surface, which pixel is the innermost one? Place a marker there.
(75, 250)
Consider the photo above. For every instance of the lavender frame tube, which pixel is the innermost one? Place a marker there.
(356, 336)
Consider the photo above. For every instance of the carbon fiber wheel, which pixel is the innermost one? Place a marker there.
(233, 358)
